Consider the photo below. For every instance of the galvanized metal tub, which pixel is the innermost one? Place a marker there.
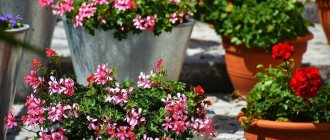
(42, 24)
(10, 57)
(137, 53)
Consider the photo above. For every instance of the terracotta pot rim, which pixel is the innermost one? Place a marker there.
(298, 39)
(303, 38)
(292, 126)
(323, 4)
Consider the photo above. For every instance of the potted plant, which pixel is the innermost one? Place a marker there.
(249, 29)
(10, 61)
(42, 25)
(323, 9)
(107, 109)
(101, 31)
(287, 105)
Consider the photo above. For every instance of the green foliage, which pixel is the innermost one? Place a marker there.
(92, 102)
(255, 23)
(273, 99)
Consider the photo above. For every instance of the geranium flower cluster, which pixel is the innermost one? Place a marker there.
(176, 107)
(145, 80)
(64, 85)
(106, 109)
(306, 82)
(118, 96)
(123, 15)
(178, 120)
(282, 51)
(147, 23)
(7, 21)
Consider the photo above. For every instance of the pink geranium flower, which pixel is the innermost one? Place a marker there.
(173, 18)
(10, 120)
(167, 123)
(123, 5)
(35, 111)
(175, 1)
(100, 2)
(144, 80)
(147, 23)
(50, 52)
(102, 75)
(54, 86)
(54, 134)
(74, 110)
(118, 96)
(91, 125)
(59, 134)
(44, 3)
(122, 134)
(134, 118)
(63, 7)
(86, 11)
(181, 17)
(56, 113)
(67, 85)
(33, 80)
(203, 126)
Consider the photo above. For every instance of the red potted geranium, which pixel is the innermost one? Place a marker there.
(287, 104)
(249, 30)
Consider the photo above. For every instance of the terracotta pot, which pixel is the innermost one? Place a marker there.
(272, 130)
(241, 61)
(323, 9)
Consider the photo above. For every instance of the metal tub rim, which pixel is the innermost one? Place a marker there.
(18, 30)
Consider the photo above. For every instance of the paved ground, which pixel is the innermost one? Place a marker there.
(205, 49)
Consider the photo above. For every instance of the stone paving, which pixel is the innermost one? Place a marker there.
(205, 49)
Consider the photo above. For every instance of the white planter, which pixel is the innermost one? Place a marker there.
(10, 57)
(137, 53)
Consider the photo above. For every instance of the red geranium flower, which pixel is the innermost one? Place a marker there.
(208, 102)
(199, 90)
(36, 63)
(159, 64)
(90, 78)
(306, 82)
(50, 52)
(282, 51)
